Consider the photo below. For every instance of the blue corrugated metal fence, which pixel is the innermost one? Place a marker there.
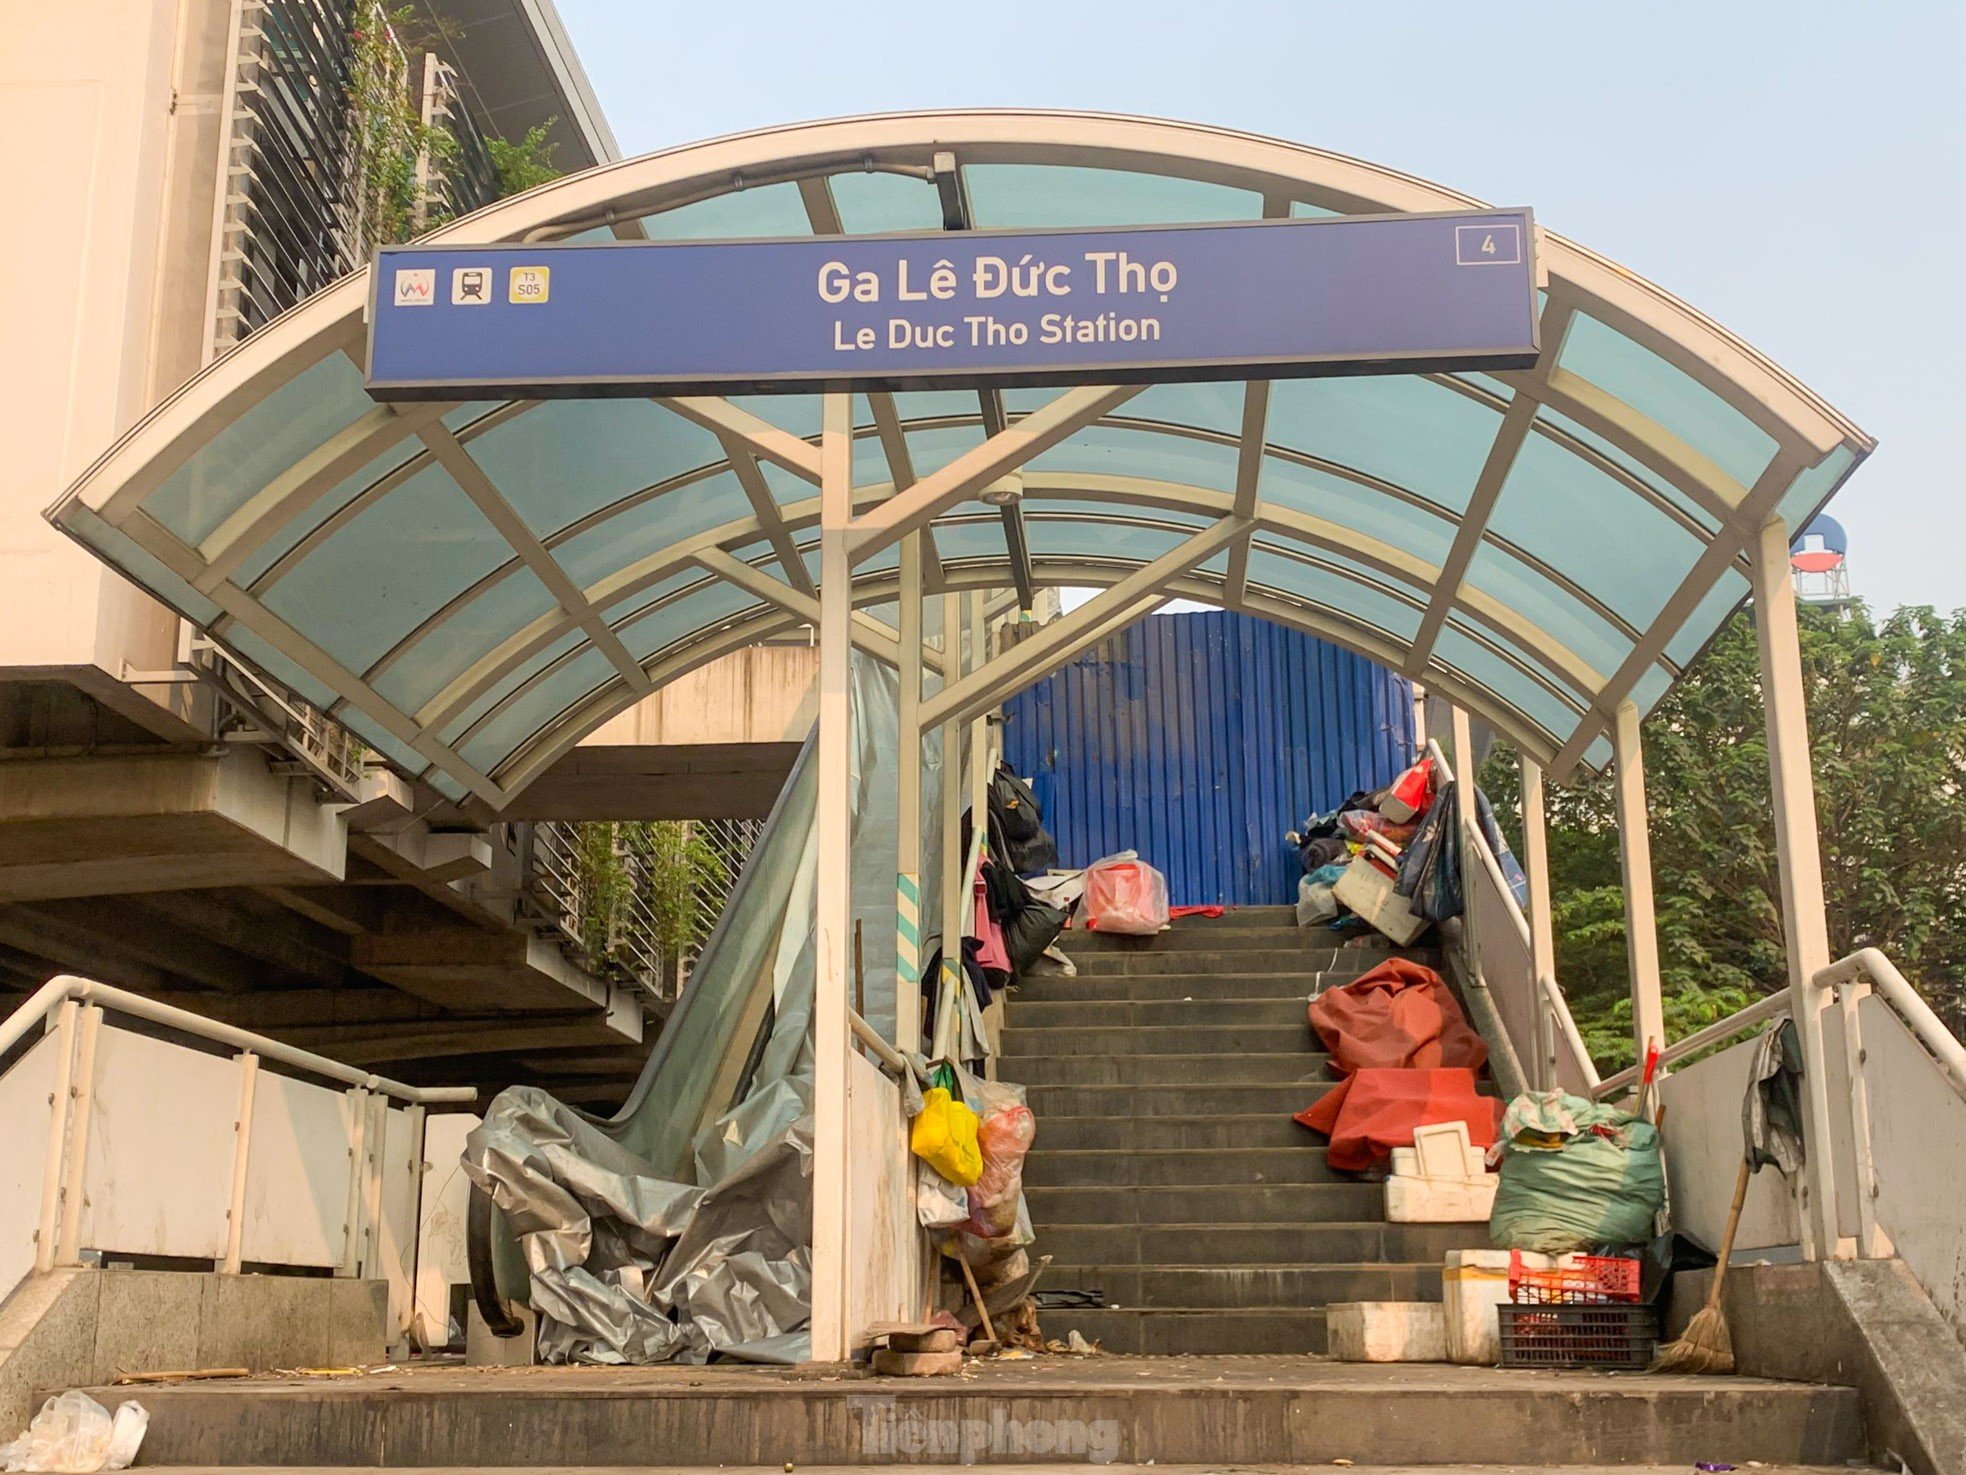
(1197, 740)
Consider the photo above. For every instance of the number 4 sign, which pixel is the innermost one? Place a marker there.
(1487, 245)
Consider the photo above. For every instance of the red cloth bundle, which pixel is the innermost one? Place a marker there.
(1401, 1039)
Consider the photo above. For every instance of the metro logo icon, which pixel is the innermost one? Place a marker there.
(416, 286)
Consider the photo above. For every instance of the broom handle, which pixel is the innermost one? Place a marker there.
(1727, 1239)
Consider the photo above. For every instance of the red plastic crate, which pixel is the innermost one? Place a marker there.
(1591, 1280)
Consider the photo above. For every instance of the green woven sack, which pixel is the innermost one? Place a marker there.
(1604, 1185)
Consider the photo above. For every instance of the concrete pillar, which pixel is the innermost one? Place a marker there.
(1805, 928)
(1635, 858)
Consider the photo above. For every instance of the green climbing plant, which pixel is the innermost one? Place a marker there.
(392, 141)
(526, 163)
(643, 882)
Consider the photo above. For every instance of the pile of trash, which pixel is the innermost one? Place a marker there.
(1387, 859)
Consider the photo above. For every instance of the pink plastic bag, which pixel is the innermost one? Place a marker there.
(1126, 896)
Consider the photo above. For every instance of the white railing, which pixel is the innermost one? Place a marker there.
(124, 1143)
(1533, 1012)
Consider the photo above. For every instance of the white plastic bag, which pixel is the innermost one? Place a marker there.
(938, 1202)
(74, 1435)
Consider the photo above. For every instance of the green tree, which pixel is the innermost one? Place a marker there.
(525, 164)
(1887, 721)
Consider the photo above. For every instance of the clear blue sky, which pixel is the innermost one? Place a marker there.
(1795, 170)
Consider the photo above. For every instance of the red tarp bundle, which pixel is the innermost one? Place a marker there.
(1410, 1061)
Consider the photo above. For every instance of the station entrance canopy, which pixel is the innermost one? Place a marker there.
(471, 587)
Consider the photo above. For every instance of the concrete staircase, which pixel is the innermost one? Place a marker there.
(1168, 1175)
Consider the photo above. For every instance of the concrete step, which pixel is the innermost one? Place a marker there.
(1219, 1204)
(1241, 962)
(1199, 1331)
(1228, 1287)
(1173, 988)
(1125, 1132)
(1285, 1098)
(1049, 1167)
(1215, 1411)
(1331, 1242)
(1183, 937)
(1165, 1070)
(1187, 1012)
(1202, 1036)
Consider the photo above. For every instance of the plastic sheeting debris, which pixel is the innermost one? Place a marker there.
(649, 1238)
(75, 1435)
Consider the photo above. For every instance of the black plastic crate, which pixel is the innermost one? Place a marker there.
(1615, 1336)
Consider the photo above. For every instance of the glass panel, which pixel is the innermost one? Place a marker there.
(1051, 538)
(649, 527)
(284, 540)
(564, 459)
(1215, 406)
(1806, 494)
(1371, 607)
(377, 737)
(140, 564)
(1587, 526)
(444, 784)
(388, 570)
(934, 404)
(1566, 619)
(1349, 505)
(1088, 509)
(1708, 616)
(469, 414)
(1647, 690)
(509, 729)
(1598, 754)
(501, 611)
(1019, 195)
(263, 442)
(264, 658)
(872, 203)
(1400, 428)
(1520, 693)
(1659, 484)
(798, 413)
(662, 628)
(517, 677)
(763, 210)
(931, 450)
(1104, 451)
(1302, 209)
(1677, 401)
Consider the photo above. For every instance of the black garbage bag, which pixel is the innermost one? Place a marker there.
(1030, 932)
(1017, 824)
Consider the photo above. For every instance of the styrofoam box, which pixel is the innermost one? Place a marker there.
(1441, 1200)
(1367, 890)
(1473, 1284)
(1387, 1331)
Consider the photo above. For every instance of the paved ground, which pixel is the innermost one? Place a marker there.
(1006, 1469)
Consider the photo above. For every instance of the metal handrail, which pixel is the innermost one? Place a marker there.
(1772, 1007)
(1870, 965)
(871, 1038)
(56, 991)
(1546, 985)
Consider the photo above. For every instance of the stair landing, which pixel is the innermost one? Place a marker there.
(1168, 1410)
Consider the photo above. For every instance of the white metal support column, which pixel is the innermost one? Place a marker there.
(1635, 858)
(1461, 734)
(1805, 929)
(947, 993)
(75, 1184)
(54, 1166)
(242, 1146)
(834, 923)
(1542, 929)
(908, 809)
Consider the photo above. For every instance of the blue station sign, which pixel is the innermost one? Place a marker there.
(951, 310)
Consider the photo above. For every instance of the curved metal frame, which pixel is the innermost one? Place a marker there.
(1805, 431)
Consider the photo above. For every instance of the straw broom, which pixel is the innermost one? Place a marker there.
(1707, 1346)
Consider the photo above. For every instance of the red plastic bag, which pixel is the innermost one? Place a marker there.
(1004, 1138)
(1411, 794)
(1127, 896)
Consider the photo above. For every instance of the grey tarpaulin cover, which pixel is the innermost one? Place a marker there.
(1771, 1116)
(682, 1227)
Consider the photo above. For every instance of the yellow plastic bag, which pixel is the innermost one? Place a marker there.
(944, 1137)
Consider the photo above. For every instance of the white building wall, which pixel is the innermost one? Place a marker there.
(103, 262)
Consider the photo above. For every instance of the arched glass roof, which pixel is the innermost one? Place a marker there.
(473, 587)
